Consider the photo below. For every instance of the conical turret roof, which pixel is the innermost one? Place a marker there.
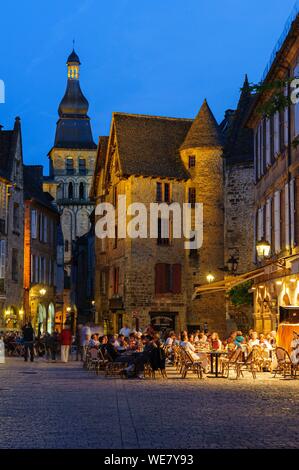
(204, 132)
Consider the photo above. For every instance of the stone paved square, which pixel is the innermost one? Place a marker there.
(63, 406)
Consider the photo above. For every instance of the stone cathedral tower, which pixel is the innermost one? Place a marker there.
(72, 161)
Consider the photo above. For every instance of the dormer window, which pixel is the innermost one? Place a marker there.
(192, 161)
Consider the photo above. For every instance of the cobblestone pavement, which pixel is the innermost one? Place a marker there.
(63, 406)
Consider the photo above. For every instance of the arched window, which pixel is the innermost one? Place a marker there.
(81, 191)
(71, 191)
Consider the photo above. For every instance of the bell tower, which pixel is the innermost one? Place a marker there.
(72, 161)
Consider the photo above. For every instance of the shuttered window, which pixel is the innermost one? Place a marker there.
(281, 130)
(41, 227)
(15, 264)
(168, 278)
(292, 211)
(176, 278)
(260, 225)
(268, 221)
(287, 216)
(296, 106)
(286, 120)
(277, 245)
(276, 133)
(2, 258)
(45, 227)
(268, 147)
(272, 150)
(33, 224)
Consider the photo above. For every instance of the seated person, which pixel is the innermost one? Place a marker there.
(133, 343)
(215, 341)
(170, 340)
(254, 340)
(203, 358)
(94, 341)
(295, 348)
(121, 344)
(264, 343)
(240, 340)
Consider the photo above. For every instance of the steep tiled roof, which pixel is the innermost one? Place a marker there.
(100, 163)
(239, 139)
(8, 143)
(33, 187)
(149, 145)
(204, 131)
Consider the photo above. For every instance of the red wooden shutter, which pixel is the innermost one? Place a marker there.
(160, 278)
(176, 278)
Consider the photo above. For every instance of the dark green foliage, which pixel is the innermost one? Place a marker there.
(240, 294)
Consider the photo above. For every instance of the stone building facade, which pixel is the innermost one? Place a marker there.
(40, 253)
(151, 280)
(72, 162)
(239, 201)
(11, 228)
(277, 190)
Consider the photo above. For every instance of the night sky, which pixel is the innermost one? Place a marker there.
(160, 57)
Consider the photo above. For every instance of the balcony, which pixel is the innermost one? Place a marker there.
(73, 202)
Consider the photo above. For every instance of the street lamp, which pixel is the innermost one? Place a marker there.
(43, 292)
(263, 248)
(210, 278)
(69, 309)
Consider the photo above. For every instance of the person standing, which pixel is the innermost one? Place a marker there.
(125, 331)
(295, 348)
(2, 351)
(66, 342)
(85, 338)
(28, 337)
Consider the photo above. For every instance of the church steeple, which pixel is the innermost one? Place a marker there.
(73, 66)
(73, 128)
(74, 102)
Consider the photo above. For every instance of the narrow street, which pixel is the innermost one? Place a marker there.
(63, 406)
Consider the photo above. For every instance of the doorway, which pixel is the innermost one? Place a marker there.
(163, 321)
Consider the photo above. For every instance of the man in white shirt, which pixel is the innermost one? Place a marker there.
(125, 331)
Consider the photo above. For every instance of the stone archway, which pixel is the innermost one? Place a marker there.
(41, 319)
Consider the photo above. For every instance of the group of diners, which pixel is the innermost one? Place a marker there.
(135, 350)
(200, 344)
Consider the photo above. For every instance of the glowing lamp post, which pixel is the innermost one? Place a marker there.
(210, 278)
(263, 248)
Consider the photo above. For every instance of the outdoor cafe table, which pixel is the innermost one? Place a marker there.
(213, 355)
